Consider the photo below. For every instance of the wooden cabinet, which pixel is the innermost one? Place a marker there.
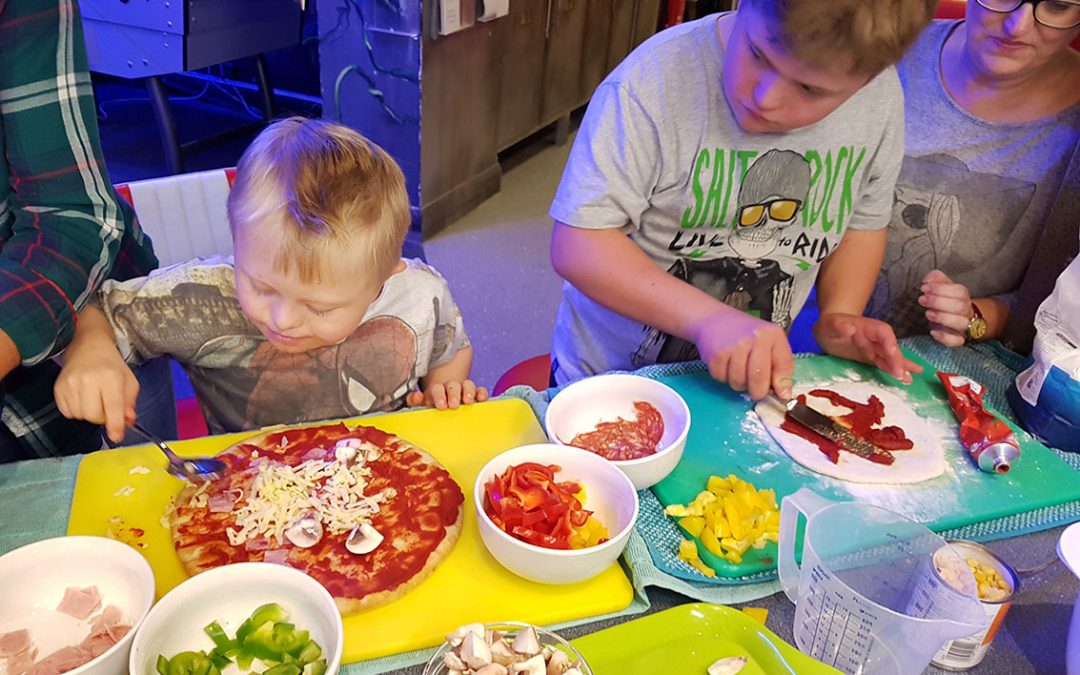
(494, 84)
(563, 61)
(554, 53)
(521, 39)
(458, 100)
(599, 18)
(621, 31)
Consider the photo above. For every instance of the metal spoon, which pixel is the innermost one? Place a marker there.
(190, 468)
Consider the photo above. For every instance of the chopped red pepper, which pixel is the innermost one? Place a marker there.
(527, 502)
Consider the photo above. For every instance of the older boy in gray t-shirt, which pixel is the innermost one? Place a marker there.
(719, 168)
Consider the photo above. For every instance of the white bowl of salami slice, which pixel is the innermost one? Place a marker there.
(72, 603)
(608, 493)
(229, 595)
(604, 407)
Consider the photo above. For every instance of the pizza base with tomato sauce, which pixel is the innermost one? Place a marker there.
(923, 461)
(419, 513)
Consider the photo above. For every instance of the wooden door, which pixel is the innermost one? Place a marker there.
(647, 18)
(620, 32)
(562, 62)
(520, 45)
(594, 62)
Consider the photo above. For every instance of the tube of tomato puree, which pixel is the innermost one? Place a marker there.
(990, 441)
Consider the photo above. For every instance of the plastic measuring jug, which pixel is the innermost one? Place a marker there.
(867, 597)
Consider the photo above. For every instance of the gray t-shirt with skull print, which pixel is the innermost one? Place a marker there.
(746, 217)
(190, 313)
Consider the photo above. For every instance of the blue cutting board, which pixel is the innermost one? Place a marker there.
(726, 437)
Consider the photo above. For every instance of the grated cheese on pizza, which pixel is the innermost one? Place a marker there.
(282, 494)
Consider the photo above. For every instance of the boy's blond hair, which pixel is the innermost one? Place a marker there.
(328, 193)
(870, 34)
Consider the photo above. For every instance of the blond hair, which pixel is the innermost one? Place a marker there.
(871, 34)
(328, 193)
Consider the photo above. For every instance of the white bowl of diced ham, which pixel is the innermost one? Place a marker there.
(71, 605)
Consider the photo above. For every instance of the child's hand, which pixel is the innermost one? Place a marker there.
(443, 395)
(948, 308)
(748, 353)
(859, 338)
(100, 388)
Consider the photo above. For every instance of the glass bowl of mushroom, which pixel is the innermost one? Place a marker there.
(507, 648)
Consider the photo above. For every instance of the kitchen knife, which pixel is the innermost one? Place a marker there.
(830, 429)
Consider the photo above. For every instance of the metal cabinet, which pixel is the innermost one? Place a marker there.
(143, 38)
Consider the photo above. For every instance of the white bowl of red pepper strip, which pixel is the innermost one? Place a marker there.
(241, 618)
(543, 480)
(637, 423)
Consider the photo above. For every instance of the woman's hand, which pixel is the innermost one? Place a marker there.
(948, 308)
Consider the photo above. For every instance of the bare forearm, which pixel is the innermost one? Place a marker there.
(455, 370)
(9, 355)
(847, 277)
(996, 314)
(609, 268)
(93, 333)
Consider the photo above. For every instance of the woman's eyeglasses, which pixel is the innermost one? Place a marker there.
(1063, 14)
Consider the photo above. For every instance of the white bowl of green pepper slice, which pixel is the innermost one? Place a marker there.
(241, 618)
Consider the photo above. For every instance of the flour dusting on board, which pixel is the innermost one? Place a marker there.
(751, 424)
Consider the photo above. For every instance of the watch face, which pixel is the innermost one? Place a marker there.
(977, 328)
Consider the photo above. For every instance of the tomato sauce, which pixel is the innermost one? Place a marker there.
(625, 439)
(427, 502)
(860, 421)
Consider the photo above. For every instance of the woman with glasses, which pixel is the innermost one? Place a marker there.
(992, 107)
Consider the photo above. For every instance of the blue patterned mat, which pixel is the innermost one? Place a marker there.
(989, 363)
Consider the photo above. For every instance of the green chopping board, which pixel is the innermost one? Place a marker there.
(727, 437)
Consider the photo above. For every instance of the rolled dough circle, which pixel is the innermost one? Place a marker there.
(924, 461)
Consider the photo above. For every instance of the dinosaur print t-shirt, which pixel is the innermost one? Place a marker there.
(748, 218)
(190, 313)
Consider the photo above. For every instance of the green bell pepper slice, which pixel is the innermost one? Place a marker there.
(191, 663)
(316, 668)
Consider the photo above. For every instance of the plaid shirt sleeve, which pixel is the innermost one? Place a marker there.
(61, 226)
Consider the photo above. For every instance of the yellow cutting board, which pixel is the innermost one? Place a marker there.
(468, 586)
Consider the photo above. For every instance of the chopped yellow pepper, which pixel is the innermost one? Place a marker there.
(693, 525)
(688, 552)
(589, 534)
(730, 517)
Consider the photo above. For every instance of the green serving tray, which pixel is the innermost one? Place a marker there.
(687, 639)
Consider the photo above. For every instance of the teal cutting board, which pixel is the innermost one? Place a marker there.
(726, 437)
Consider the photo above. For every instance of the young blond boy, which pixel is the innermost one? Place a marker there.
(726, 165)
(317, 317)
